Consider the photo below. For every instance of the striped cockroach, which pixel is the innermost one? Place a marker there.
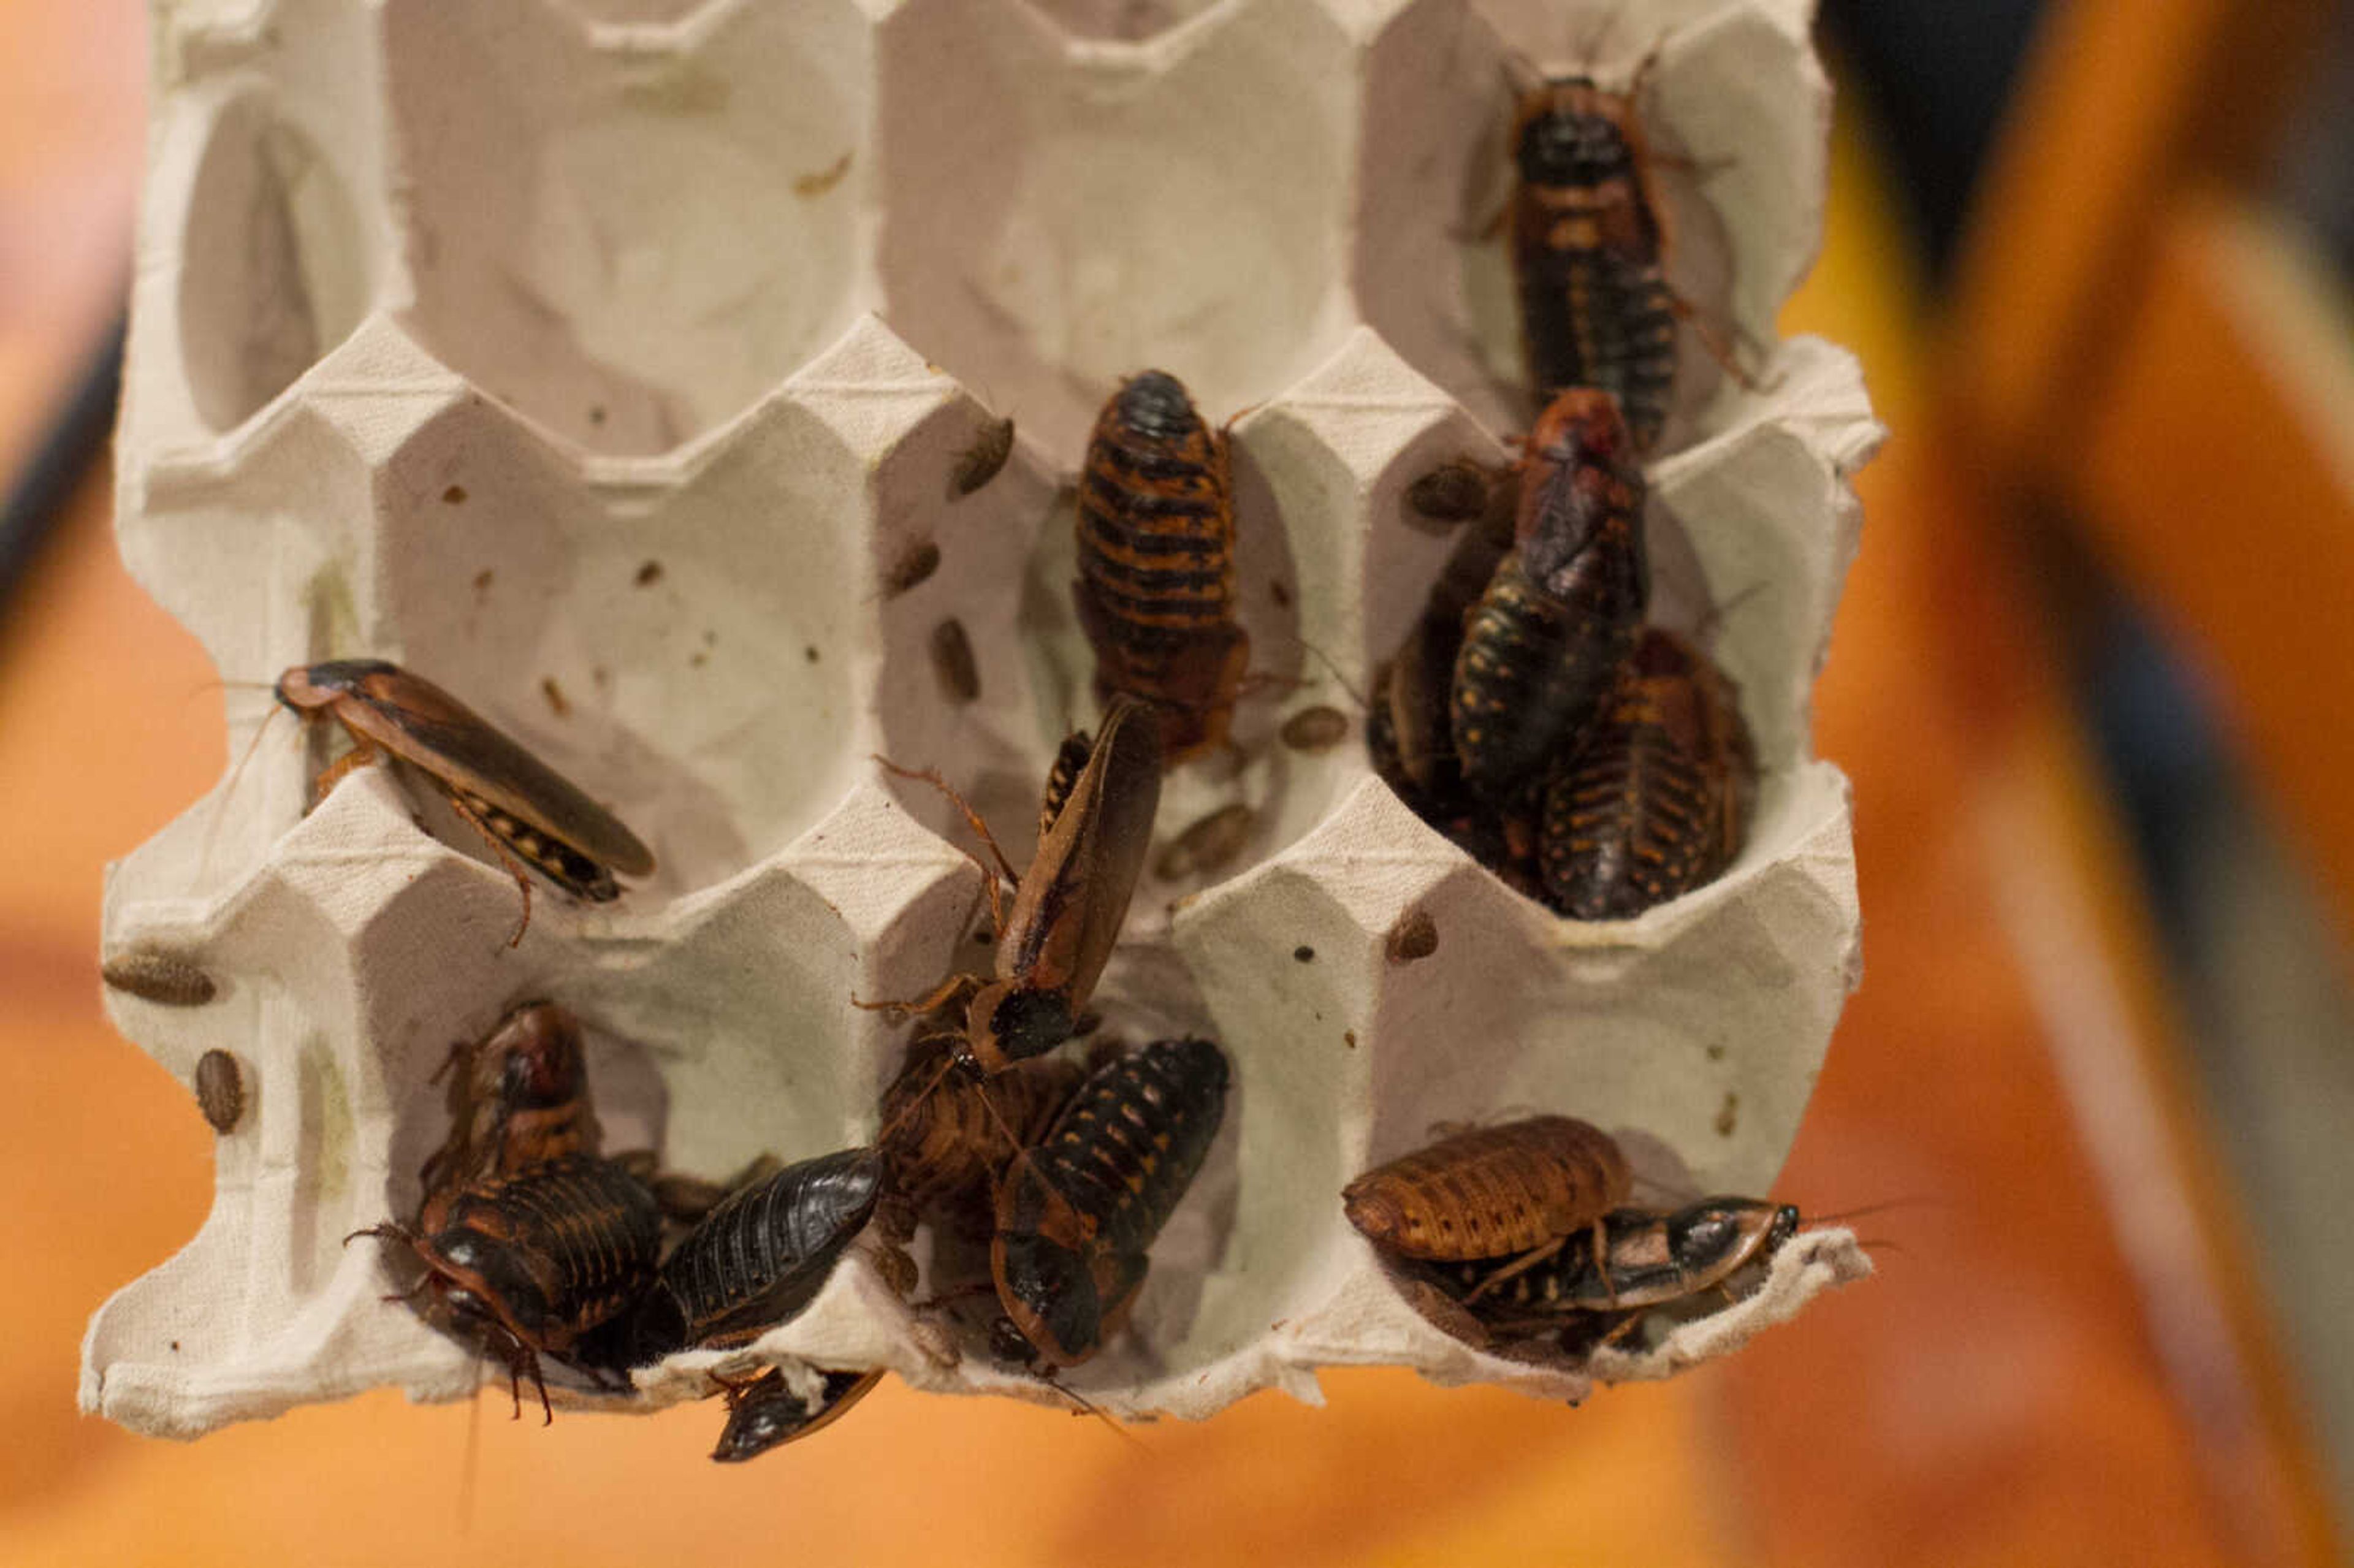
(518, 1097)
(528, 813)
(947, 1136)
(161, 977)
(539, 1264)
(766, 1412)
(1156, 586)
(1053, 944)
(1655, 799)
(220, 1090)
(1544, 644)
(1491, 1192)
(757, 1258)
(1076, 1216)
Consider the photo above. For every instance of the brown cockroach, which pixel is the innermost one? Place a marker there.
(1156, 558)
(1207, 843)
(518, 1097)
(1455, 492)
(1656, 800)
(1491, 1192)
(946, 1136)
(1052, 946)
(953, 664)
(1415, 935)
(1544, 644)
(758, 1257)
(1076, 1216)
(161, 978)
(528, 813)
(915, 566)
(1314, 729)
(978, 463)
(766, 1412)
(220, 1090)
(539, 1264)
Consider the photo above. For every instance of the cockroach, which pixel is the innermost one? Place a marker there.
(518, 1097)
(220, 1090)
(1206, 844)
(1414, 936)
(528, 813)
(1544, 645)
(915, 566)
(946, 1136)
(760, 1257)
(1076, 1217)
(1052, 946)
(539, 1264)
(1586, 247)
(1314, 729)
(164, 979)
(1491, 1192)
(1062, 774)
(953, 664)
(978, 463)
(686, 1201)
(1656, 800)
(1455, 492)
(1156, 586)
(766, 1412)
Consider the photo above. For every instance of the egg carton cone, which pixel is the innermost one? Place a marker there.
(612, 364)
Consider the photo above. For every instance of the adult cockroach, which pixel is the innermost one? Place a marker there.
(1052, 946)
(1156, 557)
(161, 977)
(759, 1257)
(1544, 644)
(220, 1090)
(539, 1264)
(1491, 1192)
(1656, 800)
(946, 1136)
(1076, 1216)
(978, 463)
(518, 1097)
(767, 1413)
(527, 812)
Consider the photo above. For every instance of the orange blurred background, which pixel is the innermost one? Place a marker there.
(2072, 1359)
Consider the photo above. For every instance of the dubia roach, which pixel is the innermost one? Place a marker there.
(757, 1258)
(220, 1090)
(518, 1097)
(979, 462)
(766, 1412)
(946, 1137)
(1491, 1192)
(1657, 798)
(161, 977)
(528, 813)
(1076, 1216)
(1544, 643)
(1156, 540)
(1586, 246)
(538, 1264)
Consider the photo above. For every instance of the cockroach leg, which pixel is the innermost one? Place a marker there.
(947, 992)
(931, 776)
(515, 867)
(1527, 1261)
(361, 753)
(1719, 347)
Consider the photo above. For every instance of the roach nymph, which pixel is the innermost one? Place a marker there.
(220, 1090)
(1076, 1217)
(979, 463)
(164, 978)
(953, 664)
(527, 812)
(1491, 1192)
(1315, 729)
(1156, 585)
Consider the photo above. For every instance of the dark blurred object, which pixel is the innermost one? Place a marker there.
(2315, 173)
(1936, 77)
(38, 498)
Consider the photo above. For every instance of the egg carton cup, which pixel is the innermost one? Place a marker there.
(609, 363)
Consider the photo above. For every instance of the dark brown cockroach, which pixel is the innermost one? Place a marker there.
(1586, 247)
(1656, 800)
(758, 1258)
(527, 812)
(947, 1136)
(978, 463)
(1544, 646)
(1156, 585)
(915, 566)
(1455, 492)
(220, 1090)
(953, 664)
(161, 977)
(1076, 1216)
(1493, 1191)
(518, 1097)
(768, 1414)
(1314, 729)
(1052, 946)
(1206, 844)
(1414, 936)
(539, 1264)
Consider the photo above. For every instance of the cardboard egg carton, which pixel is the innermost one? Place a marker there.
(609, 363)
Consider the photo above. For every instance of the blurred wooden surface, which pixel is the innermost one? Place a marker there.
(2007, 1392)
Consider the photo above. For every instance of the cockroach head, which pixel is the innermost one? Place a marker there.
(1569, 135)
(1009, 1023)
(1153, 404)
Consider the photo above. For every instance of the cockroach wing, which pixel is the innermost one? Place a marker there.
(1069, 910)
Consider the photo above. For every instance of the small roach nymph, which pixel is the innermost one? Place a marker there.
(160, 978)
(979, 463)
(1156, 586)
(766, 1413)
(1076, 1217)
(528, 813)
(1544, 644)
(220, 1090)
